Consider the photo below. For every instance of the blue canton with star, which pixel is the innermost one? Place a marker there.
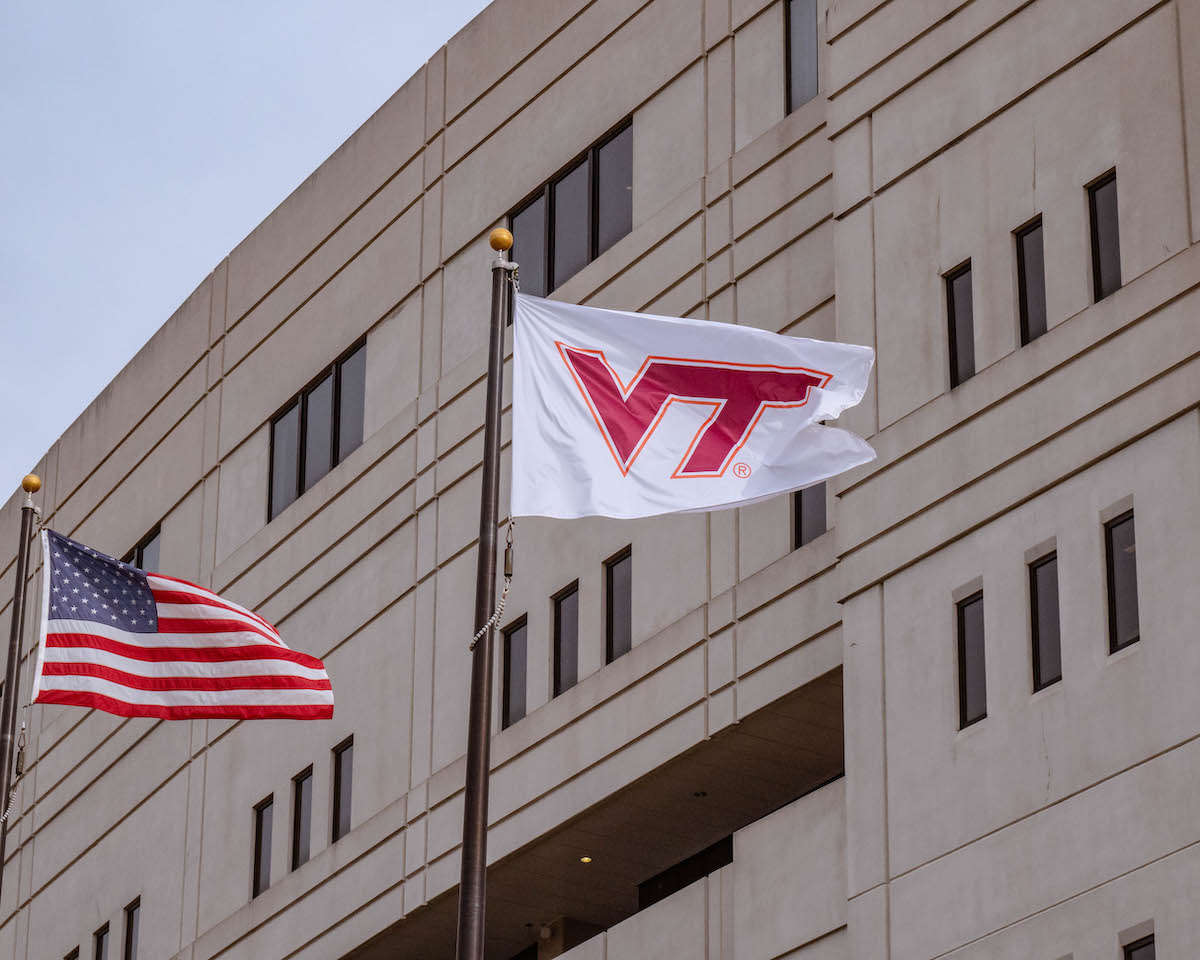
(87, 585)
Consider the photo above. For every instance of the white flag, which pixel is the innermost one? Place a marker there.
(621, 414)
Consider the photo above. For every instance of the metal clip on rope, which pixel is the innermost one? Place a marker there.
(12, 797)
(508, 574)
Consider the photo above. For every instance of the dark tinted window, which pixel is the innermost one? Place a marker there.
(808, 515)
(529, 246)
(263, 815)
(1043, 602)
(803, 76)
(1142, 950)
(100, 943)
(614, 190)
(1121, 550)
(329, 418)
(133, 919)
(566, 639)
(962, 327)
(512, 708)
(571, 224)
(1106, 241)
(1031, 281)
(145, 555)
(972, 679)
(285, 454)
(318, 431)
(619, 606)
(685, 873)
(343, 781)
(352, 393)
(73, 955)
(301, 817)
(577, 216)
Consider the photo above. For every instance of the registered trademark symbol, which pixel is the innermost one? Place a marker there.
(741, 470)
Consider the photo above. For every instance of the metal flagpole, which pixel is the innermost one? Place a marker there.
(472, 896)
(8, 709)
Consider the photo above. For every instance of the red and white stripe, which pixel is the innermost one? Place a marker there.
(210, 658)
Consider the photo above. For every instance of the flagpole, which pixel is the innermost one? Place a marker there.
(472, 897)
(8, 708)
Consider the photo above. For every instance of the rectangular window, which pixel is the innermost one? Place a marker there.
(1031, 281)
(1142, 950)
(808, 515)
(263, 814)
(1106, 240)
(73, 955)
(566, 639)
(516, 652)
(962, 326)
(133, 916)
(343, 780)
(618, 595)
(1120, 547)
(800, 27)
(100, 943)
(301, 817)
(972, 678)
(318, 429)
(576, 216)
(1043, 618)
(145, 555)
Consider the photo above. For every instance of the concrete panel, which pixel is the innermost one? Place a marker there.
(668, 143)
(640, 937)
(758, 75)
(778, 907)
(719, 117)
(789, 284)
(393, 365)
(243, 481)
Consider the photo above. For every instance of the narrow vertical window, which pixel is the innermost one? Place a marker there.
(301, 817)
(618, 624)
(972, 677)
(285, 455)
(512, 707)
(73, 955)
(1120, 547)
(800, 26)
(959, 311)
(566, 639)
(1142, 950)
(318, 431)
(1043, 621)
(529, 245)
(571, 197)
(343, 780)
(1106, 241)
(1031, 281)
(352, 395)
(263, 814)
(614, 189)
(808, 515)
(145, 555)
(133, 916)
(100, 943)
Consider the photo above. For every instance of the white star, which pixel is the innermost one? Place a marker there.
(114, 616)
(73, 609)
(125, 611)
(74, 589)
(134, 622)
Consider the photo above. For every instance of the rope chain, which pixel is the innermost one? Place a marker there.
(508, 574)
(12, 797)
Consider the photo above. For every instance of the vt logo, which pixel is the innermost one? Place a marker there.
(738, 393)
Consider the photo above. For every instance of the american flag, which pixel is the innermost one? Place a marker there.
(141, 644)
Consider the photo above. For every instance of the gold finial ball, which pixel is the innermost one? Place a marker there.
(500, 239)
(32, 483)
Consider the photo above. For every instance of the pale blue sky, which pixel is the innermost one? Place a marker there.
(139, 143)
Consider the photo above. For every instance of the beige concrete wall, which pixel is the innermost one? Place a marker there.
(942, 126)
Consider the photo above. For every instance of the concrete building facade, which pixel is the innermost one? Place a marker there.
(821, 745)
